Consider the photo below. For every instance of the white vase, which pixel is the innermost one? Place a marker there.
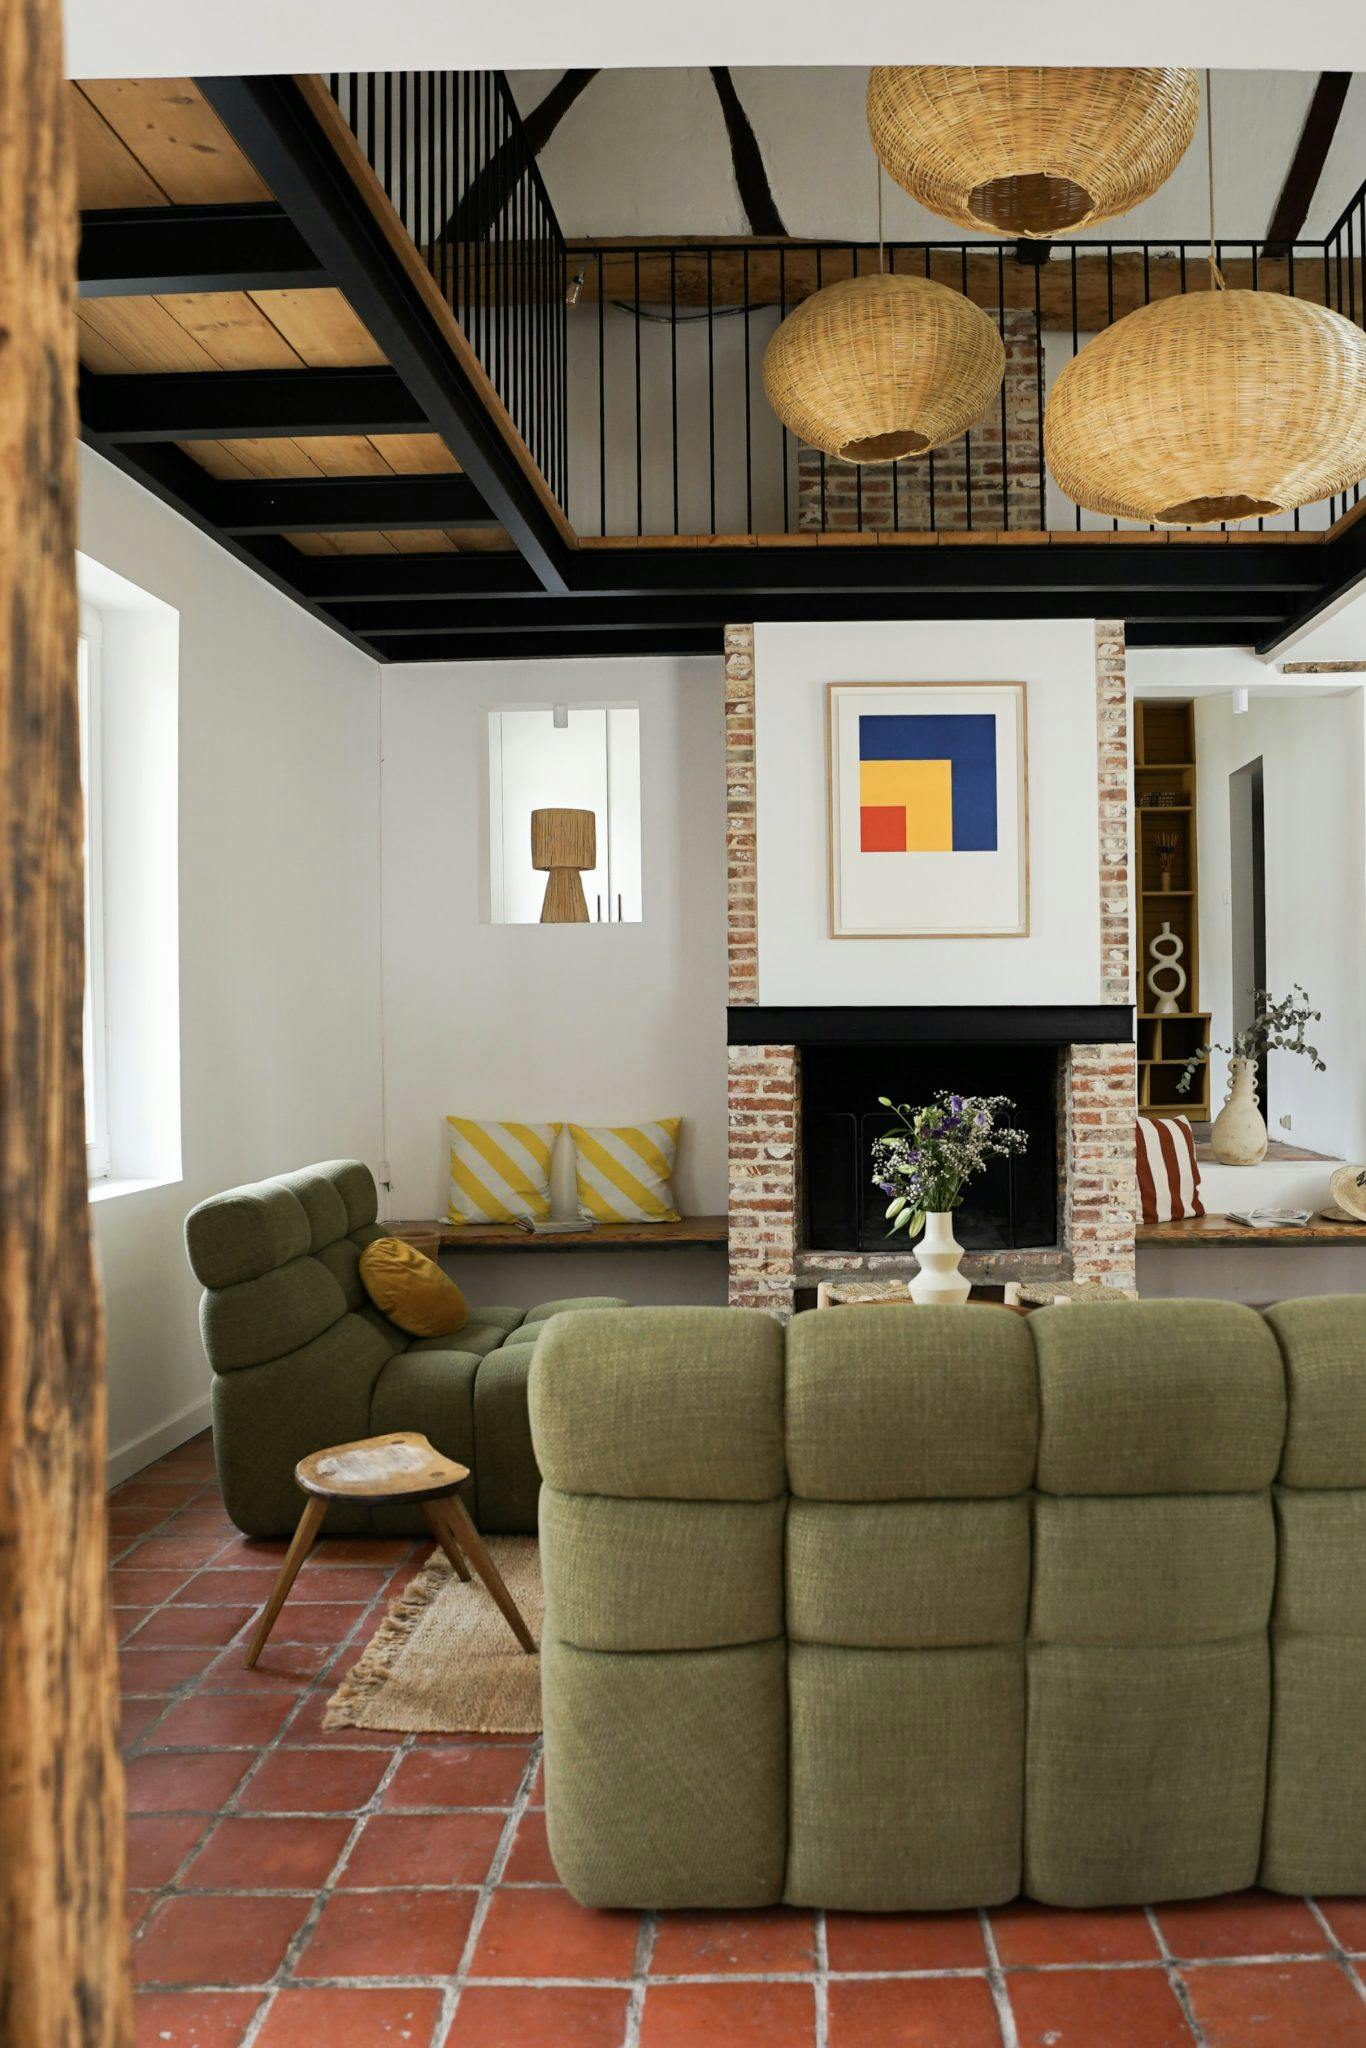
(1238, 1134)
(939, 1284)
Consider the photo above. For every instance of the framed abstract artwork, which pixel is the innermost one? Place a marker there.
(929, 828)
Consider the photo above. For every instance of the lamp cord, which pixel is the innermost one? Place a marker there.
(881, 251)
(1215, 273)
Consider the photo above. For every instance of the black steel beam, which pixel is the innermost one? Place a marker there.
(336, 582)
(1344, 568)
(204, 405)
(352, 504)
(537, 647)
(127, 252)
(270, 121)
(536, 613)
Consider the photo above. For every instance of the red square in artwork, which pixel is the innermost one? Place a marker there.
(882, 828)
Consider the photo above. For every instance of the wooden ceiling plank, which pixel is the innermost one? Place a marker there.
(416, 454)
(97, 353)
(347, 543)
(217, 459)
(482, 540)
(265, 459)
(232, 329)
(322, 327)
(418, 540)
(107, 172)
(177, 138)
(345, 455)
(148, 337)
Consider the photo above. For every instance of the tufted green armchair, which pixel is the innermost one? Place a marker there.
(303, 1359)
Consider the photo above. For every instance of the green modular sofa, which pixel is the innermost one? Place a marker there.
(302, 1359)
(923, 1608)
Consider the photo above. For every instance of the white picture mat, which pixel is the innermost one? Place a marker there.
(909, 895)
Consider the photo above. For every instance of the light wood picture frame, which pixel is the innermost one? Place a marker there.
(928, 791)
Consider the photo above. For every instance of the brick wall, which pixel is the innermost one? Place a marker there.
(859, 497)
(1115, 777)
(1100, 1189)
(765, 1195)
(742, 954)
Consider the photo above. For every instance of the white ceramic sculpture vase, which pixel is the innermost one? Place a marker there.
(939, 1284)
(1238, 1134)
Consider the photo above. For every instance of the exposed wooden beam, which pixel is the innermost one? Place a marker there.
(133, 251)
(751, 178)
(212, 405)
(489, 191)
(64, 1980)
(1291, 210)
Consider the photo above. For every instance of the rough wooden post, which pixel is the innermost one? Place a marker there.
(63, 1963)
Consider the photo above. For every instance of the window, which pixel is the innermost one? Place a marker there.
(89, 682)
(554, 757)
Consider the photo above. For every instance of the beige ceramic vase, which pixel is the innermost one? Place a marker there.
(939, 1284)
(1238, 1134)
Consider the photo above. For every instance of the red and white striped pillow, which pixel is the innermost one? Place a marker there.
(1168, 1174)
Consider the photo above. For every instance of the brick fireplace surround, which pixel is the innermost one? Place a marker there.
(768, 1262)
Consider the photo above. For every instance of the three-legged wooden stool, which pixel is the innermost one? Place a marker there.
(399, 1467)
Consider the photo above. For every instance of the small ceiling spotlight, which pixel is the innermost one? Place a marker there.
(575, 289)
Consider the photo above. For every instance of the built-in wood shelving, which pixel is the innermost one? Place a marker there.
(1164, 764)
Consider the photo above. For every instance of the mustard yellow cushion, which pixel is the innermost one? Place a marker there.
(412, 1290)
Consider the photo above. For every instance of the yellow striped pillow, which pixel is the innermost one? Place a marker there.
(499, 1171)
(623, 1171)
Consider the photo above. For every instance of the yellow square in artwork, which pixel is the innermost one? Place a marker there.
(924, 789)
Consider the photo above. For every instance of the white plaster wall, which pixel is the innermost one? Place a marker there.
(590, 1023)
(1059, 959)
(1313, 750)
(279, 930)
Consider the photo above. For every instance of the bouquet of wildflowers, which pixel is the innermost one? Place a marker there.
(926, 1165)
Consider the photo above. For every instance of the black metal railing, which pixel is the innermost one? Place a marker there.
(671, 433)
(451, 153)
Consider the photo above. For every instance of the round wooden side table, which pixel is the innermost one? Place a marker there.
(402, 1466)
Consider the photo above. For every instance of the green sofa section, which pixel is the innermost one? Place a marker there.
(921, 1609)
(302, 1358)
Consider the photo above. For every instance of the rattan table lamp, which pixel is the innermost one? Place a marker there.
(564, 842)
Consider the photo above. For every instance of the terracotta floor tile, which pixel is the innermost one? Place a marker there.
(283, 1665)
(136, 1900)
(338, 1582)
(501, 2016)
(268, 1855)
(359, 2018)
(740, 2015)
(545, 1934)
(194, 1627)
(197, 1783)
(193, 2019)
(262, 1550)
(423, 1848)
(171, 1553)
(315, 1781)
(923, 2012)
(1276, 2005)
(127, 1524)
(774, 1941)
(218, 1940)
(129, 1587)
(530, 1861)
(129, 1621)
(160, 1671)
(1242, 1924)
(1029, 1933)
(223, 1720)
(214, 1588)
(136, 1717)
(458, 1777)
(366, 1549)
(904, 1941)
(166, 1494)
(1347, 1918)
(307, 1727)
(304, 1621)
(1100, 2009)
(389, 1934)
(158, 1843)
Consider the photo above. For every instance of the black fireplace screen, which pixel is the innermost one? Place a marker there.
(1014, 1204)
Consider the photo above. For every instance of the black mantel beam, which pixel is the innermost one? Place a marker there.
(128, 252)
(1027, 1024)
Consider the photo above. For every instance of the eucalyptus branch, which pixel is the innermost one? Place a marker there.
(1277, 1026)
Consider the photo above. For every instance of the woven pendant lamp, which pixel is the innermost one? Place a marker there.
(878, 367)
(1032, 150)
(1218, 405)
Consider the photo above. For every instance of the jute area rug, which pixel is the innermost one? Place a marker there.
(444, 1661)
